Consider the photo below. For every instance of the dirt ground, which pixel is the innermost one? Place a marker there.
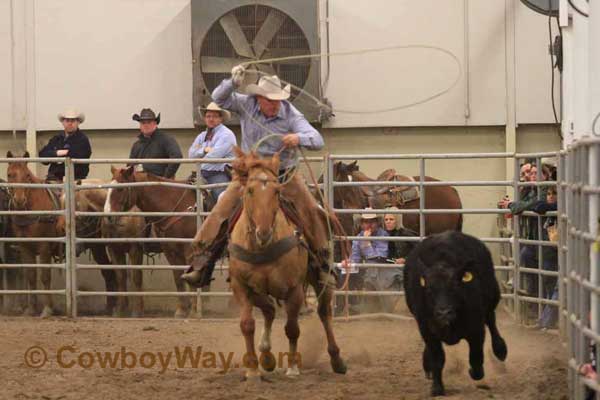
(383, 357)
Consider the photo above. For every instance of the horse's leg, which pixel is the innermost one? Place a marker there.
(118, 258)
(292, 329)
(46, 277)
(325, 293)
(109, 275)
(31, 273)
(136, 257)
(247, 326)
(267, 359)
(175, 256)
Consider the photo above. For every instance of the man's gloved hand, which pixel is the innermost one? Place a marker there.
(237, 75)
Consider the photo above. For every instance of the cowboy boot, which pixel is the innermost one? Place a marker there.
(203, 262)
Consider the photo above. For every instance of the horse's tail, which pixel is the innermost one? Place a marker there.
(459, 226)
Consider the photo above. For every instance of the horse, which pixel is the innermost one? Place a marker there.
(402, 197)
(90, 227)
(23, 226)
(269, 259)
(94, 200)
(12, 276)
(126, 227)
(160, 199)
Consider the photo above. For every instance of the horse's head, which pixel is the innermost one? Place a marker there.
(261, 195)
(121, 199)
(347, 196)
(18, 172)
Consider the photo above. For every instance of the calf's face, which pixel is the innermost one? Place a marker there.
(446, 289)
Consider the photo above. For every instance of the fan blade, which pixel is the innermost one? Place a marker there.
(219, 64)
(267, 31)
(284, 52)
(265, 69)
(236, 36)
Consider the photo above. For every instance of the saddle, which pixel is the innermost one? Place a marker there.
(397, 195)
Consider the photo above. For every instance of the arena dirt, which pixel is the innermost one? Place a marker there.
(383, 357)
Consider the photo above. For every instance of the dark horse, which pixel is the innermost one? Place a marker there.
(11, 276)
(160, 199)
(402, 197)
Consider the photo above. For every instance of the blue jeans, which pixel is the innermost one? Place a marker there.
(216, 177)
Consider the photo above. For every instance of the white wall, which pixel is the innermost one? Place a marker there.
(113, 57)
(109, 58)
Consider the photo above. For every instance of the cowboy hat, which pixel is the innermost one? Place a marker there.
(269, 87)
(368, 215)
(549, 161)
(226, 115)
(71, 113)
(146, 115)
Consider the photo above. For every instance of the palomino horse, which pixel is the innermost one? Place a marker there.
(160, 199)
(268, 259)
(403, 197)
(32, 199)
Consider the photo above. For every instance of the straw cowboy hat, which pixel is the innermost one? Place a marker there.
(269, 87)
(368, 215)
(226, 115)
(146, 115)
(71, 113)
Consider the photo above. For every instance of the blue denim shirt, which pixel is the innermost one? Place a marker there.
(253, 122)
(221, 143)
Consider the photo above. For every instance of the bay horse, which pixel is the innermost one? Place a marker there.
(407, 197)
(160, 199)
(269, 259)
(24, 226)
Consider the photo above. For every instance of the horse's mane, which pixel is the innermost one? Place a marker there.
(259, 163)
(151, 177)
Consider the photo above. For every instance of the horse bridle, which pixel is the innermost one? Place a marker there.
(265, 181)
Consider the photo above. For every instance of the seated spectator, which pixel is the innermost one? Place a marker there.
(371, 251)
(397, 251)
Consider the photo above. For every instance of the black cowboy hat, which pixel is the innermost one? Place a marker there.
(146, 115)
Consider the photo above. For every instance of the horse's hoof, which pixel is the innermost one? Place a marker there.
(267, 361)
(292, 372)
(46, 312)
(338, 365)
(180, 313)
(253, 376)
(29, 312)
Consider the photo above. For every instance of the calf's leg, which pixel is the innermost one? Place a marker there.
(476, 354)
(498, 343)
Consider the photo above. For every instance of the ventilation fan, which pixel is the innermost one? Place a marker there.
(546, 7)
(228, 33)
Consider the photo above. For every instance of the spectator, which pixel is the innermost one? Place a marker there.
(72, 142)
(154, 143)
(397, 251)
(217, 141)
(529, 226)
(549, 258)
(370, 251)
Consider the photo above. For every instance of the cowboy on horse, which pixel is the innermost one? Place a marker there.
(263, 111)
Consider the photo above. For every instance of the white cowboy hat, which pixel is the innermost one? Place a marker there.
(269, 87)
(550, 161)
(226, 115)
(71, 113)
(368, 215)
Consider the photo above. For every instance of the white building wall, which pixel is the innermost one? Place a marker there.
(113, 57)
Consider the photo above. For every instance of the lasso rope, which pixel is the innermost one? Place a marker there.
(365, 51)
(290, 172)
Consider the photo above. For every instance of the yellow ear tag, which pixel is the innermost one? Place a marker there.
(422, 280)
(467, 277)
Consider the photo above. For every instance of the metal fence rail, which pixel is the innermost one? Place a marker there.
(579, 249)
(71, 240)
